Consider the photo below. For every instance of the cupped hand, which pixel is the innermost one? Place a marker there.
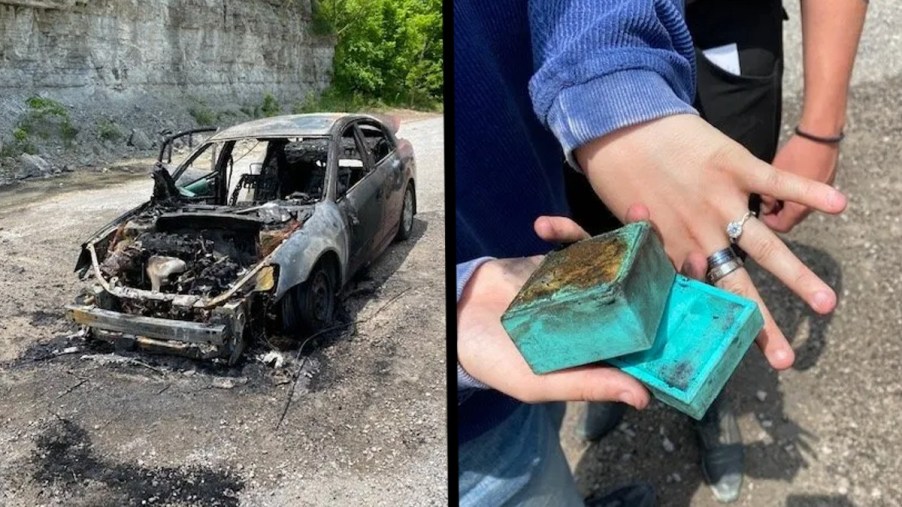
(803, 157)
(695, 180)
(486, 352)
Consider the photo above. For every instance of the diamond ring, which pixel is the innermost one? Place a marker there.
(734, 228)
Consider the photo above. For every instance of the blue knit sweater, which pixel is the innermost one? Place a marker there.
(532, 82)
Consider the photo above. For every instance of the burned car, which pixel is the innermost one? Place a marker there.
(255, 233)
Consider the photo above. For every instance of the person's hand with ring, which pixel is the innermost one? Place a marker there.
(695, 182)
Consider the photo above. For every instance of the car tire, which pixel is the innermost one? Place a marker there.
(405, 224)
(309, 307)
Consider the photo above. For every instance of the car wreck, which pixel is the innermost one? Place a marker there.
(255, 233)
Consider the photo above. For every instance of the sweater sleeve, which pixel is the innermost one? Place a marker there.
(602, 65)
(466, 383)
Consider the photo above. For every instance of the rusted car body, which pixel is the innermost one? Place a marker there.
(228, 250)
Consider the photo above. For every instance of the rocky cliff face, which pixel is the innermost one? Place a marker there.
(121, 68)
(123, 49)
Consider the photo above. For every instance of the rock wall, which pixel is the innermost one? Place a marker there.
(134, 52)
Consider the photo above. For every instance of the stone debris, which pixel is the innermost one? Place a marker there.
(668, 445)
(139, 140)
(761, 395)
(32, 166)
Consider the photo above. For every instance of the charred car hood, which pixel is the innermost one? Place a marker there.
(191, 255)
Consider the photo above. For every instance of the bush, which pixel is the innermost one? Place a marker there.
(47, 106)
(108, 131)
(270, 106)
(387, 50)
(332, 101)
(46, 118)
(202, 114)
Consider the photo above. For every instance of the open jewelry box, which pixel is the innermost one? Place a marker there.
(616, 298)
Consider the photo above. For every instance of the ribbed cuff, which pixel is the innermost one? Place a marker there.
(466, 383)
(465, 270)
(598, 107)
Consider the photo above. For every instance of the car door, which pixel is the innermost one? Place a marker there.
(362, 202)
(381, 149)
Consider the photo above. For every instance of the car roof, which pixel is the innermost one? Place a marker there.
(300, 125)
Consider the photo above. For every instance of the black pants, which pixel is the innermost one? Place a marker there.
(747, 107)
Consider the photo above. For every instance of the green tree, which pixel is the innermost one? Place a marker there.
(387, 50)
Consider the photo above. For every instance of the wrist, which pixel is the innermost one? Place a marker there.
(831, 142)
(825, 124)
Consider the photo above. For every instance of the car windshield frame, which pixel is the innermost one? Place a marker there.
(222, 165)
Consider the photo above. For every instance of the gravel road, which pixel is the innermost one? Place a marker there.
(366, 426)
(827, 432)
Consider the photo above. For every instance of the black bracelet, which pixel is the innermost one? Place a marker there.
(822, 140)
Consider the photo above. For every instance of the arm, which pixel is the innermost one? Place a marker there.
(631, 61)
(831, 30)
(634, 147)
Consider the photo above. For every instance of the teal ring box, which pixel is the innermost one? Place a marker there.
(617, 298)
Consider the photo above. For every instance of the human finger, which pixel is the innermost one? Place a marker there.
(637, 213)
(771, 341)
(695, 266)
(762, 178)
(761, 244)
(555, 229)
(769, 205)
(590, 383)
(786, 217)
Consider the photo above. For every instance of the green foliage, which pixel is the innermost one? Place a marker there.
(249, 111)
(21, 144)
(108, 131)
(202, 114)
(46, 118)
(321, 23)
(335, 102)
(388, 50)
(270, 106)
(45, 106)
(68, 132)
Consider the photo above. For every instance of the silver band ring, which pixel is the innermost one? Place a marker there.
(734, 228)
(721, 256)
(716, 274)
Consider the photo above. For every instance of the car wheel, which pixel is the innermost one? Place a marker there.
(310, 306)
(405, 227)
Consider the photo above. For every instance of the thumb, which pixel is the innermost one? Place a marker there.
(555, 229)
(769, 205)
(592, 383)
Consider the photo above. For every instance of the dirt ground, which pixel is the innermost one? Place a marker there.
(80, 425)
(826, 432)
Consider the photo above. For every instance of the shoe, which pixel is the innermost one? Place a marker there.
(634, 495)
(599, 418)
(723, 454)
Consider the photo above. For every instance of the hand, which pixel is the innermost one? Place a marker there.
(803, 157)
(695, 180)
(488, 354)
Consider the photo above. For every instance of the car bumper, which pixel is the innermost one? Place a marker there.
(222, 337)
